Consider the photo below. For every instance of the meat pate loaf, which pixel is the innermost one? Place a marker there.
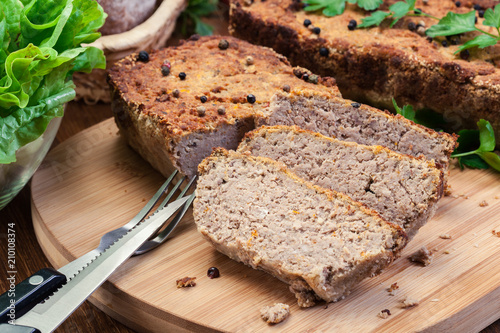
(348, 121)
(376, 64)
(402, 189)
(319, 241)
(208, 97)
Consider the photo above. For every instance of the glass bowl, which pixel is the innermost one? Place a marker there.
(14, 176)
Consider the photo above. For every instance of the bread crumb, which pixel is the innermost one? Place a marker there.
(275, 314)
(384, 314)
(446, 252)
(435, 300)
(186, 282)
(476, 245)
(392, 289)
(409, 302)
(495, 233)
(422, 256)
(445, 236)
(497, 197)
(483, 203)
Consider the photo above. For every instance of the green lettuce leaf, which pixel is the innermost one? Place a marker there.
(27, 124)
(40, 49)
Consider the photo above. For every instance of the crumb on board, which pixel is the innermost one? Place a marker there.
(435, 300)
(445, 236)
(409, 302)
(483, 203)
(476, 245)
(384, 314)
(422, 256)
(446, 252)
(276, 313)
(186, 282)
(392, 289)
(495, 233)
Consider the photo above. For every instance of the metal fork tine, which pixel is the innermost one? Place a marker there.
(188, 186)
(162, 236)
(111, 236)
(172, 192)
(152, 202)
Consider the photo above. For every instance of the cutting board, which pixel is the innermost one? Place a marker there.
(93, 183)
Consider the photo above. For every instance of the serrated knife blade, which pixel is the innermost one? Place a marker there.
(47, 316)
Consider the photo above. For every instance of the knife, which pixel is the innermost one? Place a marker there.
(94, 270)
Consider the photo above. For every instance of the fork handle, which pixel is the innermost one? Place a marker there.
(22, 297)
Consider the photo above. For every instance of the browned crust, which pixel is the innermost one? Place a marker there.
(401, 64)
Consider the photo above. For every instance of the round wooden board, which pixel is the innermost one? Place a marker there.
(94, 182)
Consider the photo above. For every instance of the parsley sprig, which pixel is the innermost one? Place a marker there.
(476, 147)
(483, 156)
(337, 7)
(454, 24)
(396, 12)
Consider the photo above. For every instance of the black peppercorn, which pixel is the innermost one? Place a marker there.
(477, 7)
(223, 44)
(429, 39)
(307, 22)
(286, 88)
(165, 71)
(143, 56)
(352, 25)
(412, 26)
(475, 19)
(305, 77)
(176, 93)
(251, 98)
(356, 105)
(480, 13)
(213, 273)
(316, 30)
(182, 75)
(203, 99)
(323, 51)
(458, 3)
(465, 54)
(444, 43)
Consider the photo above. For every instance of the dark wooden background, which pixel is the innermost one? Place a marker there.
(29, 256)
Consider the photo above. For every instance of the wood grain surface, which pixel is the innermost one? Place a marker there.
(93, 183)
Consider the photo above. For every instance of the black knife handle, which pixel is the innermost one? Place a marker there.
(7, 328)
(22, 297)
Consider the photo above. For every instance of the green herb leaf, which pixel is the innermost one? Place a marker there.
(492, 17)
(480, 41)
(400, 9)
(483, 139)
(491, 158)
(486, 135)
(331, 7)
(369, 4)
(375, 19)
(453, 24)
(406, 112)
(190, 18)
(472, 161)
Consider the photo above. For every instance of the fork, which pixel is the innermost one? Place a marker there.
(44, 282)
(110, 237)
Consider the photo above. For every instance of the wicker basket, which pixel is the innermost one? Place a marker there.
(150, 35)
